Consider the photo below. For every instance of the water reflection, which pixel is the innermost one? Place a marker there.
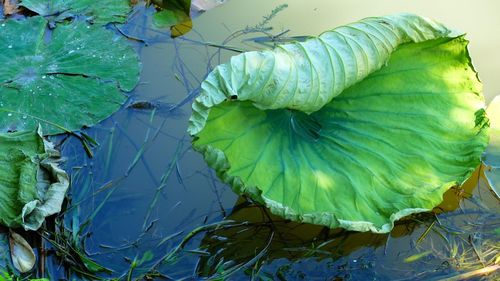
(432, 244)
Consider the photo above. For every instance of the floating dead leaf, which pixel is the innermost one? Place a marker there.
(181, 28)
(23, 257)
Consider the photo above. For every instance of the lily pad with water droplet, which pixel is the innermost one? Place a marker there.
(98, 12)
(64, 79)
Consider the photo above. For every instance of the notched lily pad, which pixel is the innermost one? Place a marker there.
(98, 12)
(64, 79)
(32, 185)
(356, 128)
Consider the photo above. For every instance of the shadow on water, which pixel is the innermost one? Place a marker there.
(461, 234)
(147, 206)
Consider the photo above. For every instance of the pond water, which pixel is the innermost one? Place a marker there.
(146, 204)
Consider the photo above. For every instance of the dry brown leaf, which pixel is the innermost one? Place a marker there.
(10, 7)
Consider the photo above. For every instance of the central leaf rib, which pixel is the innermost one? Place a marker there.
(303, 125)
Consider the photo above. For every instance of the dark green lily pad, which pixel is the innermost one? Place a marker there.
(32, 186)
(98, 12)
(65, 79)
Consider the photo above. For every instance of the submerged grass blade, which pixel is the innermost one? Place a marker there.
(476, 273)
(163, 182)
(417, 257)
(422, 237)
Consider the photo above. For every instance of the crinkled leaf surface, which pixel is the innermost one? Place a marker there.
(492, 154)
(32, 186)
(98, 12)
(65, 79)
(356, 128)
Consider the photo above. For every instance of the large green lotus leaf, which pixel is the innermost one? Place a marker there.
(356, 128)
(32, 186)
(492, 153)
(65, 79)
(99, 12)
